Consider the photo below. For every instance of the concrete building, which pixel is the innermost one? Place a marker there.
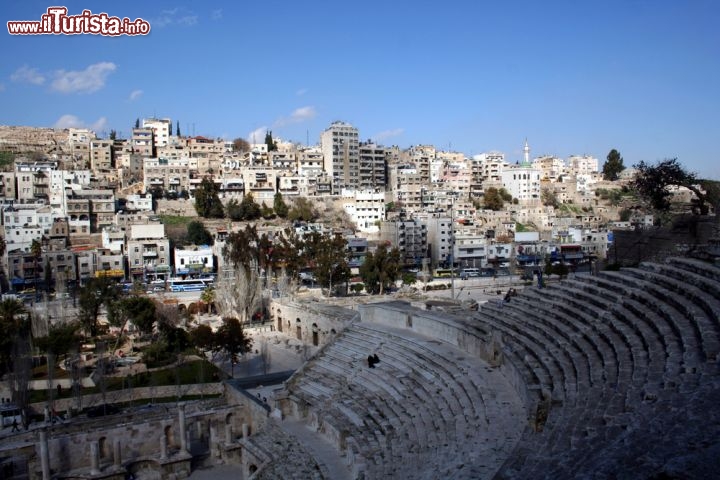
(372, 167)
(160, 128)
(409, 237)
(439, 239)
(193, 261)
(523, 183)
(340, 147)
(148, 252)
(101, 154)
(171, 175)
(366, 209)
(142, 142)
(583, 164)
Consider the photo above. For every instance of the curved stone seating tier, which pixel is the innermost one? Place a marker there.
(677, 309)
(615, 375)
(704, 269)
(658, 333)
(420, 406)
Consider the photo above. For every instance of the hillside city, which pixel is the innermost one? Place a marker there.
(101, 206)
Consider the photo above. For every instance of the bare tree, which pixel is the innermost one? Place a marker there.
(238, 293)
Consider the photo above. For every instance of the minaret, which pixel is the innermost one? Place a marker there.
(526, 153)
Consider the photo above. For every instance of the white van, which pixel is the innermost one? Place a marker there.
(469, 272)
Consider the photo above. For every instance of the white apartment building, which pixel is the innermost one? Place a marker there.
(160, 128)
(310, 163)
(366, 209)
(523, 183)
(169, 174)
(194, 261)
(583, 164)
(138, 203)
(439, 239)
(340, 146)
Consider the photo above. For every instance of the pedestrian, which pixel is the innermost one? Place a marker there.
(15, 425)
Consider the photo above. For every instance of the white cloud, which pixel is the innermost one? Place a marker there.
(385, 134)
(26, 74)
(89, 80)
(257, 135)
(176, 16)
(297, 116)
(135, 94)
(216, 14)
(72, 121)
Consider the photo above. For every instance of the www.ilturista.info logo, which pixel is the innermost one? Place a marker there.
(57, 22)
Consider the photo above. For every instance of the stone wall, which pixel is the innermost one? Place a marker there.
(311, 322)
(132, 395)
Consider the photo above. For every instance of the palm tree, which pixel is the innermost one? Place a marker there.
(208, 297)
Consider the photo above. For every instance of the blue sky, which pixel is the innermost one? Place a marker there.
(574, 77)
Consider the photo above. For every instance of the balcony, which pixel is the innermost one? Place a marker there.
(150, 253)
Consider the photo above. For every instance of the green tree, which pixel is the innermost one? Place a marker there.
(279, 205)
(207, 201)
(137, 123)
(492, 199)
(240, 145)
(302, 210)
(548, 198)
(203, 338)
(141, 311)
(505, 195)
(177, 128)
(197, 234)
(330, 260)
(613, 166)
(96, 293)
(207, 297)
(652, 181)
(271, 144)
(13, 319)
(60, 340)
(249, 209)
(266, 212)
(36, 252)
(380, 269)
(231, 339)
(113, 135)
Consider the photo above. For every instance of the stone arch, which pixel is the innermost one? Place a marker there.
(229, 418)
(252, 468)
(315, 334)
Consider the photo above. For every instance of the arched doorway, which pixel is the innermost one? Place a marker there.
(298, 329)
(315, 334)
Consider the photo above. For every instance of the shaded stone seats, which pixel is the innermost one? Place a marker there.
(553, 370)
(630, 353)
(643, 312)
(690, 323)
(580, 360)
(698, 303)
(272, 443)
(630, 420)
(698, 267)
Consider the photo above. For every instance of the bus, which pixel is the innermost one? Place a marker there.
(9, 413)
(445, 273)
(190, 284)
